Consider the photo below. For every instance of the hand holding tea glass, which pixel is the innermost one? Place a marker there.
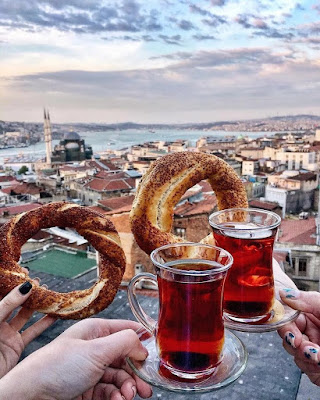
(250, 302)
(301, 338)
(87, 361)
(188, 344)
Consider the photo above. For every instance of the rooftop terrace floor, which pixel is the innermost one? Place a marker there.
(61, 263)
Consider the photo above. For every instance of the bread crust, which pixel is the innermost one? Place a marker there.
(162, 186)
(94, 227)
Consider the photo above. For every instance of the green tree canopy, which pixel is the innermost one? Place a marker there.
(23, 170)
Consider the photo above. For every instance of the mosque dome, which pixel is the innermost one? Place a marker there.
(72, 136)
(72, 146)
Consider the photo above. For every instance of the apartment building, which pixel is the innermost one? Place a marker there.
(294, 192)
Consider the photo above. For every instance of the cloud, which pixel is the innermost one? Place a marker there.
(173, 39)
(185, 25)
(207, 85)
(85, 16)
(214, 21)
(198, 10)
(204, 37)
(218, 3)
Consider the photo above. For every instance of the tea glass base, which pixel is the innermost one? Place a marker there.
(232, 364)
(168, 372)
(248, 320)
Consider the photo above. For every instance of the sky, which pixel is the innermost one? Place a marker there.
(158, 61)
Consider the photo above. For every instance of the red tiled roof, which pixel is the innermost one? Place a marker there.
(298, 231)
(206, 187)
(7, 190)
(265, 205)
(40, 235)
(304, 177)
(107, 185)
(14, 210)
(96, 184)
(202, 207)
(22, 188)
(121, 184)
(106, 165)
(7, 178)
(114, 203)
(110, 175)
(25, 188)
(109, 165)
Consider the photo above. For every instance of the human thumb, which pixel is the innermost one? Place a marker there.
(119, 345)
(308, 302)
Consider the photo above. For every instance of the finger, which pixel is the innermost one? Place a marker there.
(308, 302)
(308, 352)
(291, 333)
(143, 389)
(94, 328)
(289, 348)
(25, 269)
(118, 345)
(104, 391)
(36, 329)
(128, 383)
(14, 299)
(20, 319)
(122, 380)
(307, 367)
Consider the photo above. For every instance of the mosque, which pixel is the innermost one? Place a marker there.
(71, 148)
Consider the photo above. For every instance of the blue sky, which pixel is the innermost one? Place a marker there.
(158, 60)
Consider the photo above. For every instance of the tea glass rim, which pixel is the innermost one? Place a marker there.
(243, 228)
(206, 272)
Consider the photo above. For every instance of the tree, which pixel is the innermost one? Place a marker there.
(23, 170)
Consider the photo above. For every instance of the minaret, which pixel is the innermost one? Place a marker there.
(47, 137)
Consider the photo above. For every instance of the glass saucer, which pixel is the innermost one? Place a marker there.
(281, 314)
(232, 365)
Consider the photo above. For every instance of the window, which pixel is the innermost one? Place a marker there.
(181, 232)
(302, 268)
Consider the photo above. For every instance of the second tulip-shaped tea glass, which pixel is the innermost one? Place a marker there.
(248, 234)
(189, 332)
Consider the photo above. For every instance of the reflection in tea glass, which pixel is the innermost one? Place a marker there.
(189, 332)
(248, 234)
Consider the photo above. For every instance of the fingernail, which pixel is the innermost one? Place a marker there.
(290, 293)
(311, 353)
(290, 338)
(25, 288)
(134, 389)
(44, 286)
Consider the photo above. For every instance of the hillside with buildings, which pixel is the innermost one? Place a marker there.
(279, 172)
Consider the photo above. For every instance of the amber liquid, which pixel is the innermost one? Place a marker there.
(249, 286)
(190, 333)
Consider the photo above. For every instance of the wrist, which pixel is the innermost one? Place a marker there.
(14, 388)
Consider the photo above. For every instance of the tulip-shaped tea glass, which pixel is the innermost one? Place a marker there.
(248, 234)
(189, 332)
